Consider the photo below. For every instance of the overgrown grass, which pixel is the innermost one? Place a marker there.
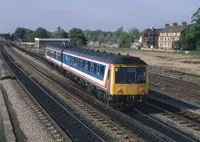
(195, 53)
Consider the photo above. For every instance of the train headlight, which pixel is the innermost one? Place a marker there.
(120, 91)
(142, 90)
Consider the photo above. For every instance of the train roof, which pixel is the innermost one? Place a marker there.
(106, 57)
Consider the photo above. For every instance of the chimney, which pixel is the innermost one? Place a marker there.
(166, 25)
(184, 24)
(175, 24)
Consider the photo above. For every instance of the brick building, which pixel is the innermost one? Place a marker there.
(170, 34)
(149, 38)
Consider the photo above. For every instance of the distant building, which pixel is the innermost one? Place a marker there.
(4, 36)
(170, 34)
(91, 43)
(43, 42)
(136, 44)
(149, 38)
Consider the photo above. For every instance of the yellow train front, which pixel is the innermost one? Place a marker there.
(128, 82)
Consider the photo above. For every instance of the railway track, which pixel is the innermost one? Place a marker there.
(190, 119)
(166, 132)
(123, 134)
(72, 128)
(175, 135)
(176, 85)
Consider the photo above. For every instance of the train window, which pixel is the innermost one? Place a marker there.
(88, 66)
(51, 52)
(76, 61)
(95, 69)
(69, 59)
(125, 75)
(72, 60)
(92, 67)
(119, 75)
(141, 75)
(58, 55)
(102, 71)
(98, 70)
(83, 64)
(65, 60)
(80, 63)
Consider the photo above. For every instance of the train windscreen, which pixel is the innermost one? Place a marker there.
(130, 75)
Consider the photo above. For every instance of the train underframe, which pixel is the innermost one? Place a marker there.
(116, 101)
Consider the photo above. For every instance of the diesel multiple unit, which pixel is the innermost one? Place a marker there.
(114, 78)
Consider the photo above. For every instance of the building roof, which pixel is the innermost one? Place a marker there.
(174, 29)
(151, 32)
(52, 39)
(4, 35)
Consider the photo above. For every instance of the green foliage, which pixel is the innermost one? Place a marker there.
(20, 33)
(77, 37)
(29, 37)
(102, 36)
(60, 33)
(125, 40)
(134, 33)
(94, 39)
(189, 40)
(196, 16)
(41, 33)
(108, 37)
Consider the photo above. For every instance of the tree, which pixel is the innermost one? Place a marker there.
(114, 38)
(94, 39)
(124, 40)
(134, 33)
(41, 33)
(77, 37)
(89, 37)
(29, 37)
(196, 16)
(119, 31)
(100, 38)
(60, 33)
(108, 37)
(191, 35)
(20, 33)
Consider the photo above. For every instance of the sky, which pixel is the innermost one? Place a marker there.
(106, 15)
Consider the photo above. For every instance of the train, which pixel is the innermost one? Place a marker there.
(119, 80)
